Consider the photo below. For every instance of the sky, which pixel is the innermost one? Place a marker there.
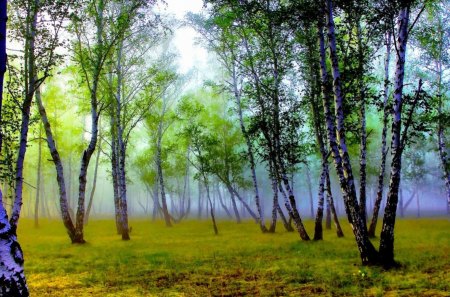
(191, 55)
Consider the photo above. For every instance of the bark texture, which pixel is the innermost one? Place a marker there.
(384, 150)
(387, 231)
(63, 200)
(12, 276)
(337, 134)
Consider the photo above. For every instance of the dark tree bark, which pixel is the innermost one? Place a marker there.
(114, 175)
(363, 130)
(318, 230)
(387, 231)
(311, 200)
(63, 200)
(94, 182)
(12, 276)
(165, 210)
(225, 208)
(211, 206)
(384, 150)
(340, 153)
(38, 179)
(250, 154)
(30, 88)
(330, 202)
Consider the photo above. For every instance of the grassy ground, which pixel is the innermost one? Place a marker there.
(188, 260)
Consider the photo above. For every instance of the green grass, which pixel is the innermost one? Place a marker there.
(188, 260)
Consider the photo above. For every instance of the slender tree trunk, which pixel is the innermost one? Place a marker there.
(330, 200)
(11, 271)
(236, 194)
(443, 152)
(387, 231)
(328, 215)
(251, 157)
(114, 175)
(38, 179)
(161, 177)
(342, 162)
(94, 182)
(223, 204)
(384, 150)
(63, 201)
(275, 206)
(363, 130)
(200, 205)
(121, 149)
(311, 200)
(30, 87)
(318, 231)
(211, 207)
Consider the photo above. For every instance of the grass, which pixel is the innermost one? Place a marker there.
(188, 260)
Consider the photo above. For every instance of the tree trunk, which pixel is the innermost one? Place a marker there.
(161, 177)
(328, 215)
(342, 162)
(363, 130)
(121, 149)
(12, 276)
(387, 231)
(443, 153)
(211, 207)
(318, 230)
(30, 87)
(251, 157)
(114, 175)
(38, 179)
(236, 194)
(330, 200)
(63, 201)
(311, 200)
(200, 205)
(223, 204)
(94, 182)
(384, 150)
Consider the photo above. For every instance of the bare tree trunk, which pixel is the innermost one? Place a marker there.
(38, 179)
(11, 271)
(384, 150)
(330, 200)
(251, 157)
(63, 201)
(328, 215)
(94, 182)
(318, 231)
(342, 162)
(311, 200)
(363, 130)
(211, 207)
(121, 149)
(443, 153)
(161, 177)
(114, 175)
(223, 204)
(200, 205)
(387, 231)
(30, 87)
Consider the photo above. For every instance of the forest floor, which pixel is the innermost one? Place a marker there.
(188, 260)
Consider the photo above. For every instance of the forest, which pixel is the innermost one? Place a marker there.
(224, 148)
